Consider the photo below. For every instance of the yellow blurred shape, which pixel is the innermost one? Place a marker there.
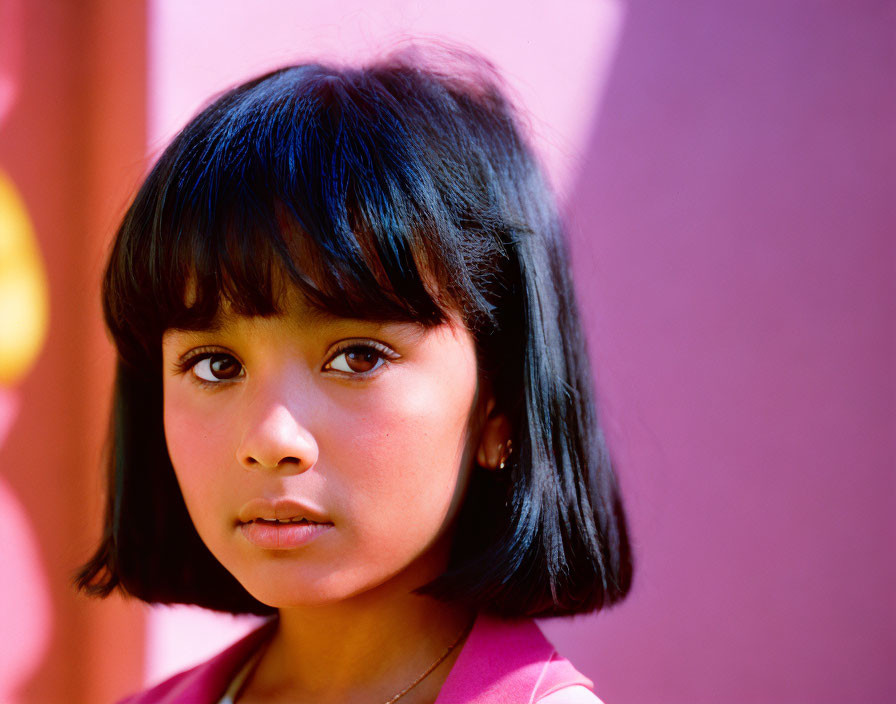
(24, 305)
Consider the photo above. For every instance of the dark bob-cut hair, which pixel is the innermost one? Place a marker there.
(403, 190)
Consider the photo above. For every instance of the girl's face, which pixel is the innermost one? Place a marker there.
(321, 457)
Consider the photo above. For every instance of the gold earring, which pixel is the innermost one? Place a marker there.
(507, 448)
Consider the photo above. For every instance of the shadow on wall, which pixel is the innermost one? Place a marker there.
(735, 253)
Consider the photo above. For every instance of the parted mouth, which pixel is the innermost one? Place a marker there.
(282, 521)
(292, 533)
(281, 511)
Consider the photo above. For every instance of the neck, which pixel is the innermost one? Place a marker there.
(368, 649)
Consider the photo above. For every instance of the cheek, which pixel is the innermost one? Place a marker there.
(405, 456)
(198, 448)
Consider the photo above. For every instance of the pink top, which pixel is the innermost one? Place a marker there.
(501, 662)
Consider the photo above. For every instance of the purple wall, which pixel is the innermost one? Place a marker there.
(734, 240)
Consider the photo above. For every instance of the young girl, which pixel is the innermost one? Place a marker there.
(352, 393)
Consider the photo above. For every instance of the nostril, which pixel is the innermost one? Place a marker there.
(251, 461)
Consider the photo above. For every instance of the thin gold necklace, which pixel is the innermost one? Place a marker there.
(428, 671)
(241, 680)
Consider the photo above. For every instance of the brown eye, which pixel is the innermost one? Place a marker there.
(358, 359)
(217, 367)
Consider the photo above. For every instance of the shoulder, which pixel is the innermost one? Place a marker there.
(506, 661)
(205, 683)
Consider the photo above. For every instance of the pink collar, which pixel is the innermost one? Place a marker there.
(507, 661)
(502, 661)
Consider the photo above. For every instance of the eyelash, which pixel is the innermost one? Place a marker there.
(387, 356)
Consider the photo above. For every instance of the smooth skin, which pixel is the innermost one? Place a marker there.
(376, 426)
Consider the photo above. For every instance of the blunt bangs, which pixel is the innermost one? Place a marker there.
(320, 177)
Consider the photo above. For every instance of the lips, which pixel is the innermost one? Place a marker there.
(281, 524)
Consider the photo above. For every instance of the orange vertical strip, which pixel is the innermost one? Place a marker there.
(73, 142)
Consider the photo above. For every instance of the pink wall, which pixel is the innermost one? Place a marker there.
(533, 44)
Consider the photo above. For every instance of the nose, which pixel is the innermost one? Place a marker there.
(273, 438)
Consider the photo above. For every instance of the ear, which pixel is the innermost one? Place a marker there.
(493, 438)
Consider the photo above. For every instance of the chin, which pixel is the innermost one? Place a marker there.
(290, 589)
